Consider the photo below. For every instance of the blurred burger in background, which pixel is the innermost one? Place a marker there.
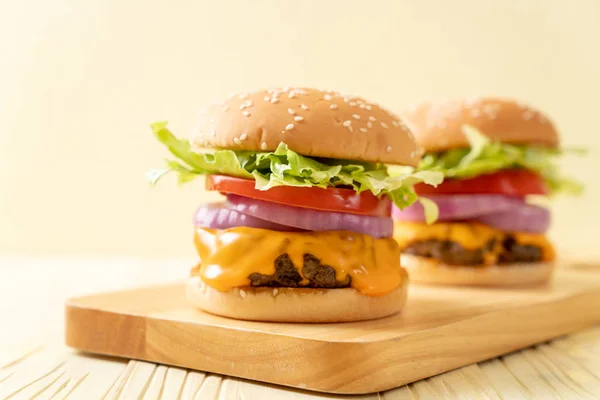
(305, 232)
(497, 157)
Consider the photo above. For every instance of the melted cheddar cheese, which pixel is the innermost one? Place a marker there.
(229, 256)
(470, 235)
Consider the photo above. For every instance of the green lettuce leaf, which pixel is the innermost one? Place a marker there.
(432, 212)
(284, 167)
(485, 156)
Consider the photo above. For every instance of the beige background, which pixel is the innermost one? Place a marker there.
(81, 80)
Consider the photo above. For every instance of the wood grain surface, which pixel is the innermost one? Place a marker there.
(565, 368)
(441, 329)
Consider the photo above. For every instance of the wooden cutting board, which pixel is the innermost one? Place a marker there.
(440, 329)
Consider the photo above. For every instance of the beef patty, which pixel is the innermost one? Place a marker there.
(452, 253)
(286, 274)
(514, 252)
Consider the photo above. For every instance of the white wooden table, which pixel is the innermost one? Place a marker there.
(35, 364)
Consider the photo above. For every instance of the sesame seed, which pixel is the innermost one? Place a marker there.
(350, 129)
(246, 104)
(394, 123)
(327, 97)
(263, 145)
(289, 127)
(275, 291)
(267, 98)
(347, 123)
(362, 106)
(491, 107)
(298, 118)
(291, 111)
(475, 112)
(236, 141)
(243, 95)
(363, 130)
(243, 136)
(355, 116)
(352, 103)
(384, 125)
(285, 89)
(388, 149)
(246, 113)
(346, 99)
(527, 115)
(470, 102)
(304, 107)
(368, 107)
(291, 95)
(491, 110)
(242, 293)
(372, 119)
(333, 106)
(369, 124)
(274, 100)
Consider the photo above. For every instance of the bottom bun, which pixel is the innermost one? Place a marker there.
(295, 304)
(426, 270)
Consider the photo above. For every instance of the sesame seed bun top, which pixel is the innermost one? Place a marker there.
(438, 126)
(311, 122)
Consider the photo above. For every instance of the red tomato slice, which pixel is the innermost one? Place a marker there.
(513, 182)
(330, 199)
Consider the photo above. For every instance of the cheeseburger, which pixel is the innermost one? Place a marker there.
(495, 154)
(305, 232)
